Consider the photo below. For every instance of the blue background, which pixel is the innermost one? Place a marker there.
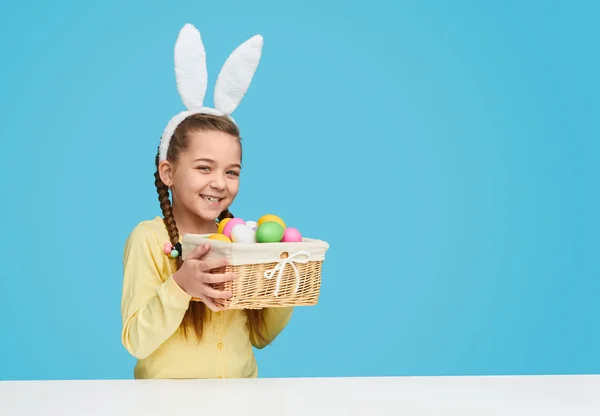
(448, 152)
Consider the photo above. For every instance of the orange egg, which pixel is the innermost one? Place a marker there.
(219, 237)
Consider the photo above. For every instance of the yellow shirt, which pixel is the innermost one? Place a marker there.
(153, 306)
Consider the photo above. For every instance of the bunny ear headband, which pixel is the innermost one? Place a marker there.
(192, 79)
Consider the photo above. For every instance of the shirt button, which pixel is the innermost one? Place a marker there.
(220, 346)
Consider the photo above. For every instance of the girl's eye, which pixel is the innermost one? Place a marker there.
(207, 169)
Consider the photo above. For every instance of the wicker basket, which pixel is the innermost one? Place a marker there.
(267, 275)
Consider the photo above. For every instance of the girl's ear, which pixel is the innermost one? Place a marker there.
(165, 170)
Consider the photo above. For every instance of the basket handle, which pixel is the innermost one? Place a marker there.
(298, 257)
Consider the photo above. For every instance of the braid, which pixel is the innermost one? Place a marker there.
(167, 209)
(225, 214)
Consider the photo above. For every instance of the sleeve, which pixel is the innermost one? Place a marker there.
(151, 310)
(276, 320)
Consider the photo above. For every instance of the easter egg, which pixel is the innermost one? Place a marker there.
(230, 224)
(222, 224)
(269, 218)
(291, 235)
(269, 232)
(219, 237)
(241, 233)
(252, 224)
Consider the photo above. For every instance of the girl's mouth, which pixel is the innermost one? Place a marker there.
(211, 199)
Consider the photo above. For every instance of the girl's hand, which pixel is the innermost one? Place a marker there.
(195, 279)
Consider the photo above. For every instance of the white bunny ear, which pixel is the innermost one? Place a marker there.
(237, 72)
(190, 67)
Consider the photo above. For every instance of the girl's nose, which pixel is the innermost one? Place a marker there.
(218, 182)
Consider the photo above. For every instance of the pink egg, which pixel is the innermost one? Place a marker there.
(291, 235)
(230, 224)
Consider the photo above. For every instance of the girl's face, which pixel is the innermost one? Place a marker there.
(205, 179)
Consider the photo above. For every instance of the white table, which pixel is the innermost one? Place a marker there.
(464, 396)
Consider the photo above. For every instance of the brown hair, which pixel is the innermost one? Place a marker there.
(197, 314)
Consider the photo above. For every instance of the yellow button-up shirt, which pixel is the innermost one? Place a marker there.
(153, 306)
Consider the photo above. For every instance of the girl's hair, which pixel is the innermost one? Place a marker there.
(197, 314)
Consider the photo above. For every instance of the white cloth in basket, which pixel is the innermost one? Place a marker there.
(258, 253)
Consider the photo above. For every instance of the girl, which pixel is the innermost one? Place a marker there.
(199, 161)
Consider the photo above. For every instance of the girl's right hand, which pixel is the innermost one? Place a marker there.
(194, 277)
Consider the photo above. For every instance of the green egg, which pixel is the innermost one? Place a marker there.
(269, 232)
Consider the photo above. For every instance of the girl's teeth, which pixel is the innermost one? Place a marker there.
(210, 199)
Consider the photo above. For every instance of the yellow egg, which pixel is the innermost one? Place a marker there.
(270, 217)
(219, 237)
(222, 225)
